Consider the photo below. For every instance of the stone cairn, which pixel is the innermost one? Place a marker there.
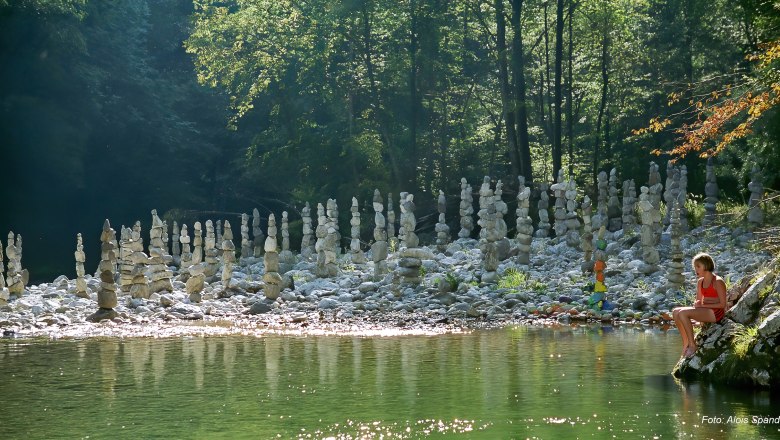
(197, 249)
(488, 238)
(614, 211)
(629, 204)
(257, 234)
(572, 221)
(466, 209)
(441, 228)
(651, 217)
(525, 227)
(176, 247)
(325, 245)
(655, 188)
(601, 261)
(756, 187)
(271, 277)
(186, 254)
(212, 260)
(166, 244)
(286, 257)
(219, 237)
(683, 196)
(710, 194)
(106, 296)
(139, 287)
(392, 240)
(672, 190)
(485, 199)
(379, 248)
(502, 242)
(81, 283)
(674, 274)
(587, 236)
(559, 192)
(4, 293)
(160, 275)
(125, 261)
(543, 231)
(307, 246)
(602, 216)
(228, 256)
(332, 209)
(356, 253)
(197, 270)
(247, 248)
(17, 277)
(409, 261)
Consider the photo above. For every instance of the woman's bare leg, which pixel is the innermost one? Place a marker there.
(701, 315)
(679, 324)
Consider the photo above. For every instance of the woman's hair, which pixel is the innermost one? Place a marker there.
(706, 261)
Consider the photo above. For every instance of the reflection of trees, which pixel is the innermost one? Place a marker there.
(108, 355)
(137, 354)
(228, 358)
(158, 362)
(195, 348)
(272, 371)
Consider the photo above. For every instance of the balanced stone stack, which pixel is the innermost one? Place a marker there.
(392, 240)
(228, 256)
(81, 283)
(176, 248)
(674, 274)
(710, 194)
(502, 242)
(682, 197)
(332, 209)
(756, 187)
(271, 277)
(16, 276)
(408, 222)
(572, 221)
(655, 185)
(196, 282)
(466, 210)
(219, 237)
(126, 265)
(186, 254)
(286, 257)
(307, 246)
(325, 245)
(600, 265)
(587, 236)
(212, 260)
(257, 233)
(525, 227)
(650, 216)
(106, 296)
(166, 244)
(614, 211)
(601, 218)
(197, 250)
(488, 243)
(629, 205)
(543, 231)
(654, 197)
(379, 248)
(4, 293)
(485, 200)
(671, 191)
(139, 260)
(160, 275)
(247, 248)
(559, 192)
(356, 253)
(441, 228)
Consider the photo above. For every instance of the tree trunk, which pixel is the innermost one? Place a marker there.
(518, 62)
(569, 92)
(602, 104)
(413, 92)
(558, 92)
(506, 98)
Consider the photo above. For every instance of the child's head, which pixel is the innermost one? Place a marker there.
(705, 261)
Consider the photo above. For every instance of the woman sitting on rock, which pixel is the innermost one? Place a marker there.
(710, 304)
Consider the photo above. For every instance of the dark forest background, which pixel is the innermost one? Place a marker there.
(208, 109)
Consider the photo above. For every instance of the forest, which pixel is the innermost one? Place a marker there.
(207, 109)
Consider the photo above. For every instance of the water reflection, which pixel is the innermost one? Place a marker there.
(517, 382)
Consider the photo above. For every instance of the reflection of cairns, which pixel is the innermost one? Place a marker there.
(247, 248)
(601, 261)
(160, 275)
(356, 253)
(587, 236)
(601, 217)
(559, 192)
(629, 204)
(502, 242)
(212, 262)
(176, 247)
(140, 261)
(409, 258)
(307, 246)
(572, 221)
(441, 228)
(543, 231)
(81, 283)
(16, 276)
(186, 254)
(379, 248)
(525, 227)
(107, 294)
(614, 211)
(651, 217)
(257, 234)
(674, 274)
(466, 210)
(392, 240)
(228, 256)
(756, 187)
(710, 194)
(325, 246)
(286, 257)
(271, 278)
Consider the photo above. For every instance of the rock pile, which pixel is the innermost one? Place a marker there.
(525, 227)
(257, 234)
(81, 283)
(466, 209)
(247, 247)
(356, 253)
(271, 278)
(441, 228)
(543, 230)
(307, 246)
(614, 211)
(228, 257)
(106, 297)
(379, 248)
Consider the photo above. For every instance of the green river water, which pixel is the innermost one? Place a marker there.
(517, 382)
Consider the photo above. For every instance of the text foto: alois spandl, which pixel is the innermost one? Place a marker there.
(753, 420)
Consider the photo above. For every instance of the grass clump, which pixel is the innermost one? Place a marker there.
(512, 279)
